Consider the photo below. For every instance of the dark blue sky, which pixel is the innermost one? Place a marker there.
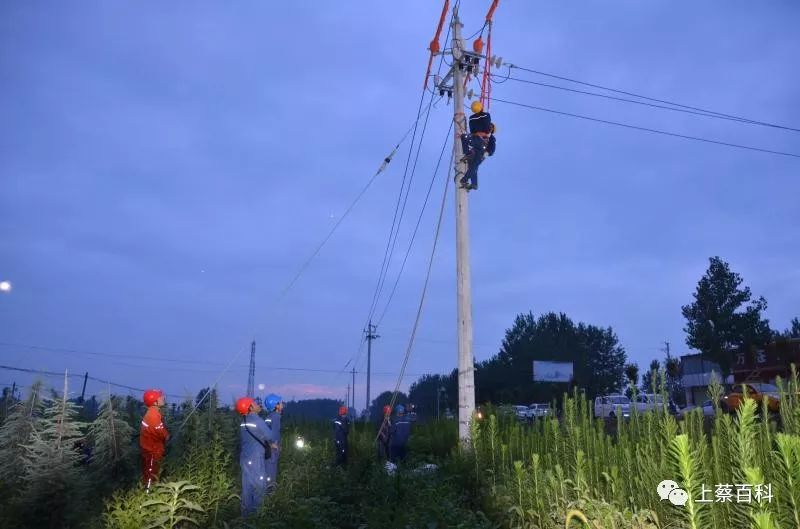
(166, 168)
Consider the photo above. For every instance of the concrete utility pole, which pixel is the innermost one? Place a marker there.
(466, 367)
(370, 330)
(354, 388)
(347, 399)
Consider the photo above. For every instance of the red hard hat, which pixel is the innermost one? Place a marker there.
(151, 396)
(243, 405)
(387, 410)
(342, 410)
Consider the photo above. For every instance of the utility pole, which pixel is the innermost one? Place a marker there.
(462, 61)
(347, 400)
(83, 391)
(370, 330)
(666, 348)
(251, 377)
(354, 388)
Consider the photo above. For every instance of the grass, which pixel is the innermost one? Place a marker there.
(574, 471)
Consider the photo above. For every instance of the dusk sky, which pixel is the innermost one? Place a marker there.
(166, 168)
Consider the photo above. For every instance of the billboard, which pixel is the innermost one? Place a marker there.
(552, 371)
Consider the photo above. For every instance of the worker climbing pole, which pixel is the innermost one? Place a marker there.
(480, 141)
(469, 149)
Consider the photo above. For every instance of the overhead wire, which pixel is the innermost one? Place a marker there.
(664, 101)
(424, 292)
(416, 227)
(355, 201)
(646, 129)
(633, 101)
(385, 264)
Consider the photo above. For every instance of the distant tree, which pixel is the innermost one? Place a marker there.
(631, 377)
(598, 359)
(793, 331)
(88, 408)
(650, 378)
(724, 316)
(376, 408)
(312, 409)
(606, 360)
(423, 393)
(672, 372)
(202, 401)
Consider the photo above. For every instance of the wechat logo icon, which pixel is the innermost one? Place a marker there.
(670, 490)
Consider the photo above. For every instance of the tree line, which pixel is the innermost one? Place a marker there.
(723, 316)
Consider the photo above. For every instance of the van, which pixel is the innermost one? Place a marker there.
(612, 406)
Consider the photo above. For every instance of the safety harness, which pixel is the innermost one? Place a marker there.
(267, 446)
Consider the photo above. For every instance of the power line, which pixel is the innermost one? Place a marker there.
(191, 362)
(633, 101)
(418, 316)
(719, 114)
(75, 375)
(646, 129)
(416, 227)
(373, 305)
(355, 201)
(395, 233)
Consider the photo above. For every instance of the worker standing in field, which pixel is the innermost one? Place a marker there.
(153, 436)
(255, 438)
(274, 406)
(474, 145)
(384, 431)
(399, 434)
(341, 428)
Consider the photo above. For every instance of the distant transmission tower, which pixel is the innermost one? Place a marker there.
(251, 378)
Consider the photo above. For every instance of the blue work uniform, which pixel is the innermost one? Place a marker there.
(398, 438)
(251, 458)
(273, 421)
(475, 144)
(341, 427)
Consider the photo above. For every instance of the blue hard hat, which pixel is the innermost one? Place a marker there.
(399, 409)
(272, 401)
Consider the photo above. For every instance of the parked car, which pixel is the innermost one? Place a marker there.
(612, 406)
(707, 407)
(654, 402)
(538, 410)
(758, 391)
(521, 412)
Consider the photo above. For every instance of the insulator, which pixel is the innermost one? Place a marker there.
(470, 93)
(469, 68)
(441, 92)
(498, 62)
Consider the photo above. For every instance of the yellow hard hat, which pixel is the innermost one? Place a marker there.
(476, 106)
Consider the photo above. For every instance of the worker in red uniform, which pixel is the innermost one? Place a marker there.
(153, 436)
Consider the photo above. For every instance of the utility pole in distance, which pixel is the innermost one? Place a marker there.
(354, 389)
(462, 61)
(370, 331)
